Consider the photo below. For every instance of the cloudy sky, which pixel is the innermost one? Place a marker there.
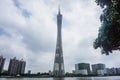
(28, 30)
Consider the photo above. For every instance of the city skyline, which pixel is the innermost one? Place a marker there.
(17, 67)
(28, 30)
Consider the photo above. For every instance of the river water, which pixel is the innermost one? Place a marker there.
(72, 78)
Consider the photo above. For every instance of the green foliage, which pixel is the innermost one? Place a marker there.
(109, 32)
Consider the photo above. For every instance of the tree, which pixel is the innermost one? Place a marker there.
(109, 33)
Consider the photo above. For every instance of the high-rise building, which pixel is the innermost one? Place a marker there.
(21, 67)
(13, 65)
(82, 68)
(98, 69)
(2, 62)
(16, 66)
(58, 69)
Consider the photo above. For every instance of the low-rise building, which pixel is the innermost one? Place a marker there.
(82, 68)
(113, 71)
(99, 69)
(118, 70)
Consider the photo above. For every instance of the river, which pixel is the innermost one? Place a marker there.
(69, 78)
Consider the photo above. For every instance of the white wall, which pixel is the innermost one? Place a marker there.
(83, 72)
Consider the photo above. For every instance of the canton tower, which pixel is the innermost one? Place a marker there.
(58, 69)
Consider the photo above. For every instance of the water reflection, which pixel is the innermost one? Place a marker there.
(84, 78)
(103, 78)
(12, 79)
(58, 78)
(68, 78)
(95, 78)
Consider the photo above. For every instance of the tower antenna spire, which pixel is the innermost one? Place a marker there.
(59, 8)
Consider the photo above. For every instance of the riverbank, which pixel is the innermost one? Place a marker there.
(53, 76)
